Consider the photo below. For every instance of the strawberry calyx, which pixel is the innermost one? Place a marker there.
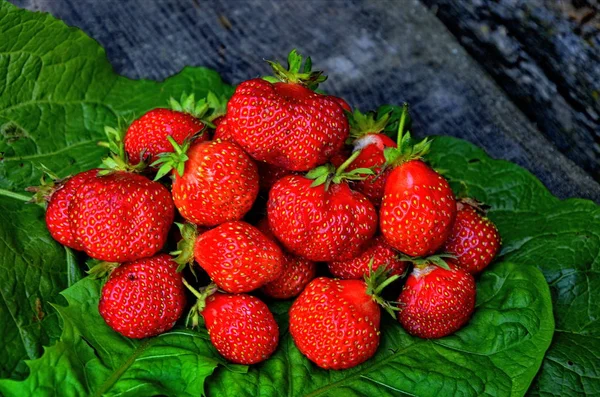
(296, 73)
(362, 124)
(376, 282)
(117, 160)
(194, 317)
(49, 183)
(407, 149)
(423, 263)
(206, 109)
(478, 206)
(327, 174)
(100, 269)
(184, 255)
(172, 160)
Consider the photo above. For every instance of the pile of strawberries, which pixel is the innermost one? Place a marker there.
(344, 199)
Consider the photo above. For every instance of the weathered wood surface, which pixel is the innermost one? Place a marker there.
(375, 52)
(546, 56)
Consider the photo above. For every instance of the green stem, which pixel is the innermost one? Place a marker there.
(401, 124)
(14, 195)
(386, 283)
(347, 163)
(192, 289)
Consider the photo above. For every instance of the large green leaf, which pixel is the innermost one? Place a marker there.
(57, 91)
(90, 359)
(497, 353)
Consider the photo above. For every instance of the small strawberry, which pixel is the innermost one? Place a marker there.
(418, 206)
(367, 132)
(335, 323)
(223, 132)
(214, 182)
(58, 193)
(241, 327)
(238, 257)
(296, 272)
(143, 298)
(474, 239)
(321, 219)
(436, 302)
(121, 216)
(286, 123)
(147, 136)
(375, 250)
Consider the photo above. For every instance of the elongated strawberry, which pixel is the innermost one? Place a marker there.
(214, 182)
(238, 257)
(287, 124)
(418, 206)
(321, 219)
(376, 250)
(367, 132)
(436, 302)
(241, 327)
(121, 216)
(58, 193)
(474, 239)
(335, 323)
(143, 298)
(296, 272)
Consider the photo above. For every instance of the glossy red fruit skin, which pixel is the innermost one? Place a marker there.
(357, 267)
(371, 156)
(143, 298)
(219, 183)
(320, 224)
(223, 132)
(269, 174)
(417, 209)
(238, 257)
(149, 133)
(57, 212)
(335, 323)
(436, 302)
(121, 216)
(474, 240)
(241, 327)
(285, 124)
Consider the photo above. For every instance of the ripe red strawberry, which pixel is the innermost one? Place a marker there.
(321, 220)
(143, 298)
(378, 251)
(148, 134)
(296, 272)
(238, 257)
(335, 323)
(223, 132)
(287, 124)
(121, 216)
(474, 239)
(241, 327)
(418, 206)
(436, 302)
(57, 212)
(218, 183)
(367, 132)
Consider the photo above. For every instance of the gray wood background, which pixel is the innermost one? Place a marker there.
(374, 52)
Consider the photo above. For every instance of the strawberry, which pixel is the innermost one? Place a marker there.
(269, 174)
(214, 182)
(418, 206)
(367, 131)
(335, 323)
(238, 257)
(321, 220)
(436, 302)
(286, 123)
(143, 298)
(223, 132)
(474, 239)
(376, 250)
(296, 272)
(58, 193)
(240, 326)
(121, 216)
